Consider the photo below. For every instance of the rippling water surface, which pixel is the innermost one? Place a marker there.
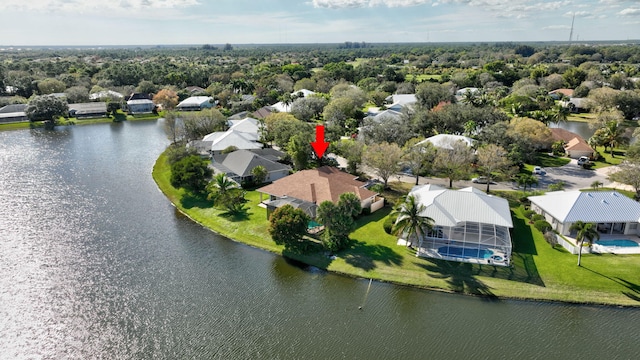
(95, 263)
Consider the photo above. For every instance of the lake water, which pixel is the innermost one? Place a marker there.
(96, 263)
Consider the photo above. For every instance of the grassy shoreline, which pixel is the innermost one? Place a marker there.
(539, 272)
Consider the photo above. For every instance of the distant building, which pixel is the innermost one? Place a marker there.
(196, 103)
(140, 106)
(88, 110)
(574, 145)
(13, 113)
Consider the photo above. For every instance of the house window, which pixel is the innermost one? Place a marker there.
(633, 226)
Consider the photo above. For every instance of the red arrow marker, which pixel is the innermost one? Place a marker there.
(320, 146)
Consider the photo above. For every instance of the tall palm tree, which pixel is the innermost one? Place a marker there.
(409, 222)
(585, 232)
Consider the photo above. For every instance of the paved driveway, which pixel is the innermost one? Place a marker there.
(574, 176)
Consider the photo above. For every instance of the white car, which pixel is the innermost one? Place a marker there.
(538, 170)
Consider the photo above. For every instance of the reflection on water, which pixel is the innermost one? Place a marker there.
(95, 263)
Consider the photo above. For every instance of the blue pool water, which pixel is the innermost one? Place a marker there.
(618, 242)
(466, 253)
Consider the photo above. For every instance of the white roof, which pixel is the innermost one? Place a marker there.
(445, 141)
(404, 99)
(452, 207)
(305, 92)
(597, 206)
(246, 125)
(195, 101)
(466, 90)
(104, 94)
(387, 114)
(222, 140)
(281, 107)
(139, 101)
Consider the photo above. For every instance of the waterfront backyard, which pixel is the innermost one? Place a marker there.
(538, 271)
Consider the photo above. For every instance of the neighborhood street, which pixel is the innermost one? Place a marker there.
(574, 177)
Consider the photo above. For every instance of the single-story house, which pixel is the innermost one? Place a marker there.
(263, 112)
(613, 212)
(575, 105)
(88, 110)
(574, 145)
(312, 187)
(140, 106)
(195, 103)
(13, 113)
(558, 94)
(469, 225)
(195, 90)
(249, 126)
(461, 92)
(239, 164)
(398, 102)
(224, 139)
(105, 94)
(445, 141)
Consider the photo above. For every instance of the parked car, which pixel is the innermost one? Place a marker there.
(538, 170)
(582, 160)
(480, 180)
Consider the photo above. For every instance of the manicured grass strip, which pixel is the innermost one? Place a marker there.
(539, 271)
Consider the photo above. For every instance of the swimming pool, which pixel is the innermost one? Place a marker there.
(617, 242)
(465, 253)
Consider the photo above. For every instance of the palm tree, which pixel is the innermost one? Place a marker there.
(585, 231)
(220, 185)
(596, 184)
(409, 221)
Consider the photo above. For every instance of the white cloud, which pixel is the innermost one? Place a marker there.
(337, 4)
(557, 27)
(93, 5)
(630, 12)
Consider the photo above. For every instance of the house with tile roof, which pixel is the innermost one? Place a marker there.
(312, 187)
(469, 225)
(574, 145)
(613, 212)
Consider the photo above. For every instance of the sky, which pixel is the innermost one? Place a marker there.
(166, 22)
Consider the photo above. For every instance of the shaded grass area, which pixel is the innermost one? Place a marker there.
(607, 158)
(538, 271)
(422, 77)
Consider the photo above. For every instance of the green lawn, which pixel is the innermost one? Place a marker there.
(423, 77)
(539, 271)
(607, 158)
(581, 117)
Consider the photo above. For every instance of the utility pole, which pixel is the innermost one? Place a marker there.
(571, 33)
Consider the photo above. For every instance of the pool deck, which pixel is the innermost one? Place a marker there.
(614, 249)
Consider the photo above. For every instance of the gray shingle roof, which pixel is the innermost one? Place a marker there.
(241, 162)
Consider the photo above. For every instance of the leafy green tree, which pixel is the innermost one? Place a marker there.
(628, 173)
(454, 162)
(77, 94)
(197, 124)
(574, 77)
(339, 110)
(146, 87)
(525, 180)
(493, 162)
(50, 86)
(300, 150)
(384, 159)
(387, 128)
(280, 127)
(259, 174)
(431, 94)
(287, 226)
(339, 220)
(585, 232)
(410, 222)
(46, 108)
(191, 173)
(611, 135)
(351, 150)
(308, 108)
(418, 156)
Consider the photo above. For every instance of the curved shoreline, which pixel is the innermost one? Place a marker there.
(174, 198)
